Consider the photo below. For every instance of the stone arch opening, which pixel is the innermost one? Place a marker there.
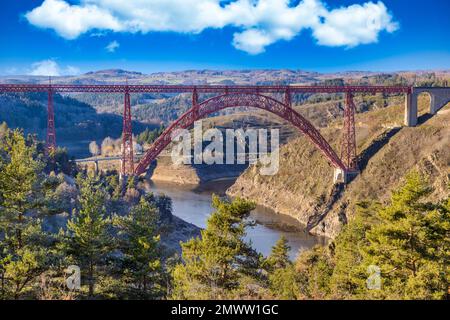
(425, 103)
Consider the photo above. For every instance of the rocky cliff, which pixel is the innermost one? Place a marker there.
(303, 187)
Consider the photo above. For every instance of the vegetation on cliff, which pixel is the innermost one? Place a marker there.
(303, 187)
(50, 221)
(403, 244)
(397, 250)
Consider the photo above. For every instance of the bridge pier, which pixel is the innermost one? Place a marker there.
(127, 164)
(96, 170)
(344, 176)
(51, 132)
(339, 176)
(410, 110)
(439, 97)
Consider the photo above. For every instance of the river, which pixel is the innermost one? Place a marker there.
(193, 204)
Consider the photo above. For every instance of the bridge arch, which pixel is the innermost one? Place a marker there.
(429, 98)
(439, 97)
(212, 105)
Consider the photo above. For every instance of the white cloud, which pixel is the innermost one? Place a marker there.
(252, 41)
(51, 68)
(112, 46)
(260, 22)
(366, 21)
(69, 21)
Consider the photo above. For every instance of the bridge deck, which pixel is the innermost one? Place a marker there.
(66, 88)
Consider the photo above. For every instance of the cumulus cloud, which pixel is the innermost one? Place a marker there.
(355, 25)
(260, 23)
(51, 68)
(112, 46)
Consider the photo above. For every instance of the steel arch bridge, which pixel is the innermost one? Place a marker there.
(225, 97)
(212, 105)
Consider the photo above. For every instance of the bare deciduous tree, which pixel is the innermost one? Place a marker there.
(94, 149)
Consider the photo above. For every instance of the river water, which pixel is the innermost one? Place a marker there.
(193, 204)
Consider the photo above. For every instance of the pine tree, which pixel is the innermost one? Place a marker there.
(23, 255)
(87, 238)
(410, 244)
(282, 276)
(284, 283)
(114, 187)
(141, 264)
(131, 183)
(314, 269)
(349, 275)
(216, 264)
(164, 204)
(279, 257)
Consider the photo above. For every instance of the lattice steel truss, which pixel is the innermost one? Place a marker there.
(127, 138)
(227, 97)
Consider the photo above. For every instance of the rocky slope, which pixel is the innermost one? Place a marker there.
(303, 187)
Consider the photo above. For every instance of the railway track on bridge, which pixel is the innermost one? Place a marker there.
(235, 96)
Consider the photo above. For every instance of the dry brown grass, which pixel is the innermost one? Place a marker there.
(304, 181)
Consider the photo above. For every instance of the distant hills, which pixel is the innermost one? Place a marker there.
(85, 116)
(229, 77)
(114, 73)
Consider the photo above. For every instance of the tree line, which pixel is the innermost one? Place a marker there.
(112, 232)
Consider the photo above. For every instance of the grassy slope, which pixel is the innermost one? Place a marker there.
(303, 186)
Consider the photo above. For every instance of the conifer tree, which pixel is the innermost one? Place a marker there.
(141, 265)
(164, 204)
(279, 257)
(350, 275)
(23, 255)
(282, 276)
(314, 269)
(87, 238)
(410, 244)
(215, 264)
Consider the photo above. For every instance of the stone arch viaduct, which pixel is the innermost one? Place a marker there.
(439, 97)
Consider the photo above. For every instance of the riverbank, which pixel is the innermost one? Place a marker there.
(192, 175)
(193, 205)
(303, 187)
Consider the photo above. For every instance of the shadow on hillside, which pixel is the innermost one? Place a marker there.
(424, 118)
(322, 210)
(338, 189)
(375, 147)
(150, 170)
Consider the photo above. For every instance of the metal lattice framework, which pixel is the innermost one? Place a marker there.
(51, 132)
(127, 167)
(227, 97)
(348, 148)
(212, 105)
(105, 88)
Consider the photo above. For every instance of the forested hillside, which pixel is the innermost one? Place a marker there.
(75, 121)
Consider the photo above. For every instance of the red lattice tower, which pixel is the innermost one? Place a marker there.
(127, 138)
(195, 102)
(348, 148)
(51, 134)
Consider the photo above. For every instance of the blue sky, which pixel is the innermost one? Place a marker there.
(74, 36)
